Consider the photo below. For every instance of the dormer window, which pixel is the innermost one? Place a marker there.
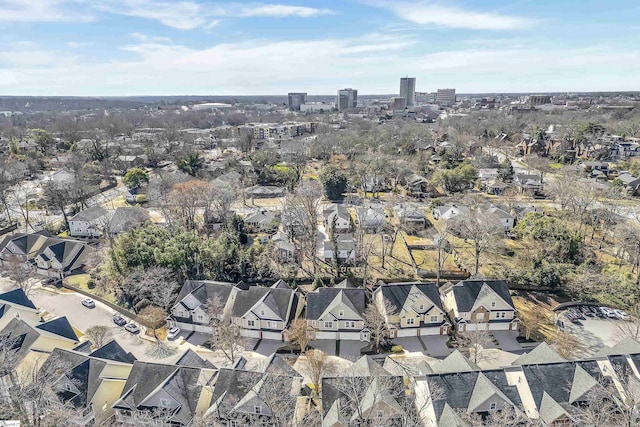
(493, 406)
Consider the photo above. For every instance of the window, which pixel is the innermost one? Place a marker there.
(493, 406)
(261, 312)
(421, 307)
(380, 414)
(328, 325)
(164, 403)
(493, 304)
(67, 387)
(434, 319)
(349, 324)
(200, 318)
(251, 323)
(341, 313)
(271, 324)
(257, 409)
(410, 321)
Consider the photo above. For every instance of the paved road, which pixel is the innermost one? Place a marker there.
(68, 304)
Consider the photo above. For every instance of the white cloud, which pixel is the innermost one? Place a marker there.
(188, 15)
(371, 63)
(431, 13)
(41, 11)
(78, 45)
(281, 10)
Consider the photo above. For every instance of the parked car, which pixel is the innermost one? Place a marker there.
(585, 310)
(119, 320)
(608, 312)
(130, 327)
(173, 333)
(89, 303)
(621, 315)
(577, 314)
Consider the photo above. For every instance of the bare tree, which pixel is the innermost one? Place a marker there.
(440, 239)
(482, 228)
(567, 345)
(631, 327)
(474, 339)
(22, 273)
(375, 320)
(317, 367)
(225, 336)
(278, 393)
(301, 332)
(99, 335)
(21, 198)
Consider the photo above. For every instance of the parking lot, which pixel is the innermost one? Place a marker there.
(595, 332)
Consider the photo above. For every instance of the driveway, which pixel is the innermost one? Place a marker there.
(268, 347)
(410, 344)
(328, 346)
(507, 340)
(436, 345)
(597, 333)
(82, 318)
(350, 349)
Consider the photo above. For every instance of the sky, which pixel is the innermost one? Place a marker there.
(206, 47)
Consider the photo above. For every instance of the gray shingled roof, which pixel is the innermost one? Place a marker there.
(277, 299)
(543, 353)
(466, 292)
(17, 297)
(318, 301)
(127, 217)
(91, 214)
(397, 293)
(202, 290)
(60, 327)
(191, 359)
(113, 351)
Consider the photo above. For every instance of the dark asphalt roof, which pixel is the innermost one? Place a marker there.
(317, 302)
(125, 218)
(397, 293)
(59, 326)
(20, 335)
(90, 214)
(143, 379)
(277, 299)
(202, 290)
(113, 351)
(191, 359)
(17, 297)
(466, 292)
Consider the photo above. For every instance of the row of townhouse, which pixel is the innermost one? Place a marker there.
(274, 130)
(338, 313)
(50, 256)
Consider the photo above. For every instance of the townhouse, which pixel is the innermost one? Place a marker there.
(261, 312)
(417, 308)
(338, 313)
(479, 303)
(16, 304)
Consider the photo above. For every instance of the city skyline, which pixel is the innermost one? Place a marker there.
(157, 47)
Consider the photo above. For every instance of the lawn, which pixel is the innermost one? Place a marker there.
(81, 281)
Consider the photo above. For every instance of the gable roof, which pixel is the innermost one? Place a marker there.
(582, 383)
(17, 297)
(543, 353)
(59, 326)
(397, 293)
(191, 359)
(483, 390)
(202, 290)
(626, 346)
(450, 418)
(455, 362)
(127, 217)
(367, 367)
(277, 365)
(277, 299)
(113, 351)
(550, 410)
(319, 300)
(466, 292)
(91, 214)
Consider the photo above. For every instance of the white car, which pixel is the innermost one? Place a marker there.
(621, 315)
(609, 312)
(89, 303)
(173, 333)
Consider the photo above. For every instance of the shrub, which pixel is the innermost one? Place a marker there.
(396, 349)
(91, 284)
(141, 305)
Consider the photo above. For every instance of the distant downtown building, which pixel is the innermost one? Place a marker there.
(296, 99)
(346, 98)
(446, 97)
(408, 90)
(535, 100)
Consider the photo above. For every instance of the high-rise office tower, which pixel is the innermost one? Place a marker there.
(346, 98)
(446, 97)
(408, 90)
(296, 99)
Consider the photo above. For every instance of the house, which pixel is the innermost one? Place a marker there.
(371, 219)
(367, 400)
(53, 257)
(630, 183)
(294, 219)
(250, 398)
(346, 249)
(337, 218)
(479, 303)
(261, 312)
(448, 212)
(88, 223)
(528, 182)
(127, 218)
(487, 173)
(167, 394)
(417, 311)
(16, 304)
(264, 191)
(285, 248)
(90, 383)
(594, 168)
(137, 195)
(411, 214)
(374, 184)
(265, 313)
(260, 220)
(494, 186)
(418, 186)
(337, 313)
(507, 221)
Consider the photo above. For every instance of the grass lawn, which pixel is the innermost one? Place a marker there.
(80, 281)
